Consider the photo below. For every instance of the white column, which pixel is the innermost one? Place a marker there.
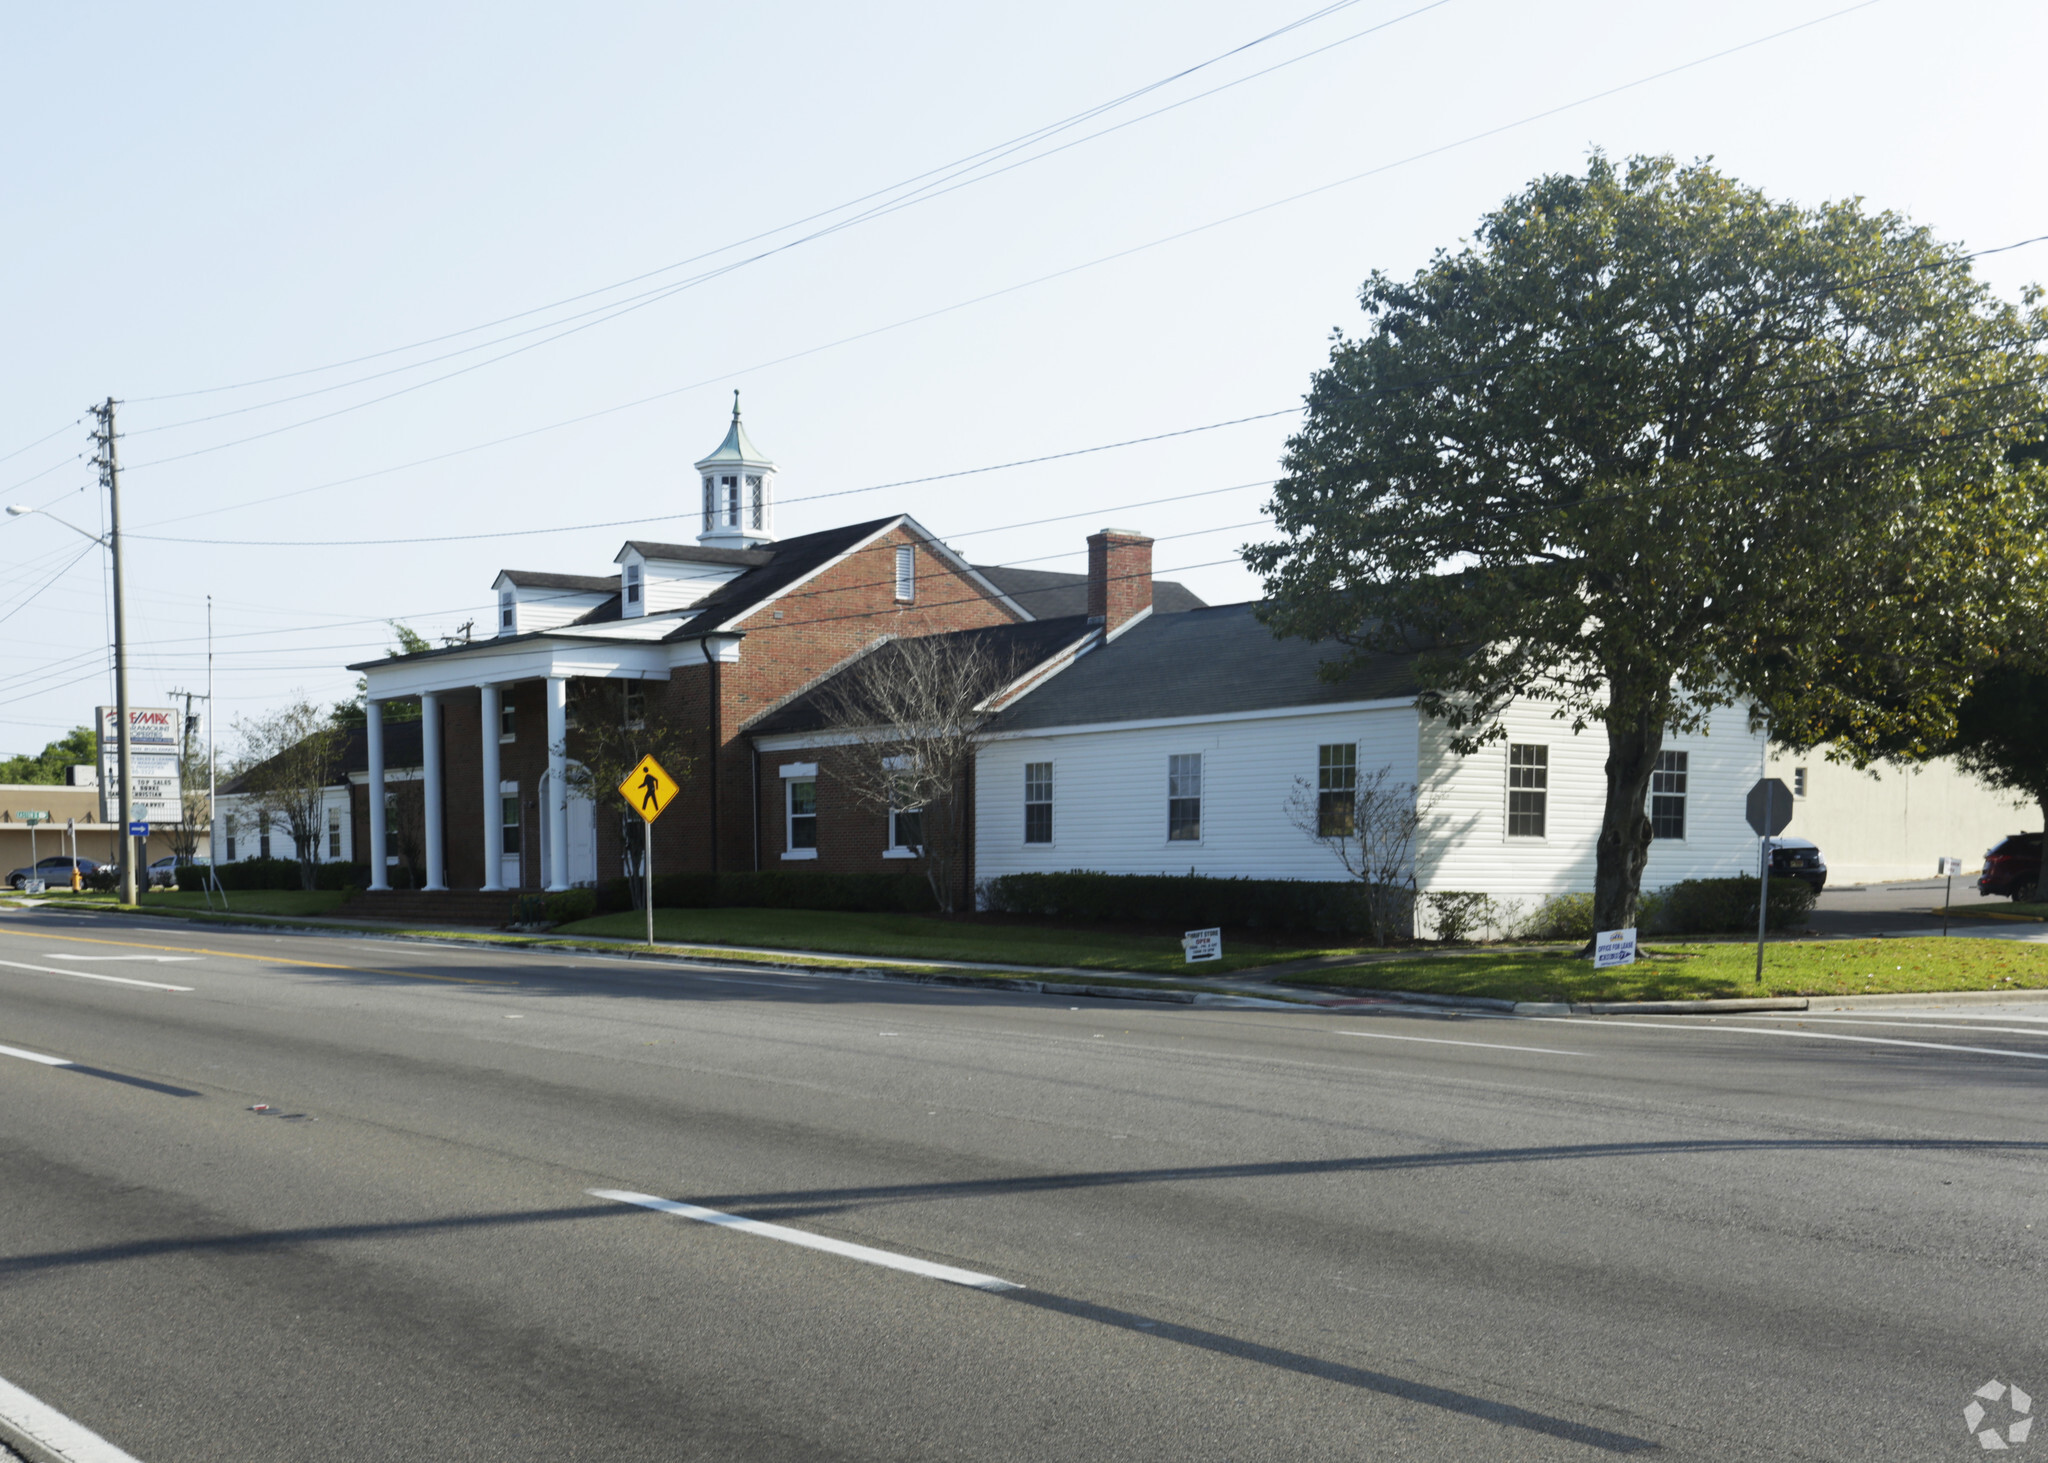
(558, 782)
(373, 715)
(494, 815)
(430, 789)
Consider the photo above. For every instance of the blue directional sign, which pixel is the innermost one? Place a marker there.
(138, 830)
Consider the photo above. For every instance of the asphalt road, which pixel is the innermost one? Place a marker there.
(1228, 1234)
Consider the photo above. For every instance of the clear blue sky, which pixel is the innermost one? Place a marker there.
(204, 196)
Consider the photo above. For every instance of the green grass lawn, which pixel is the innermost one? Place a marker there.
(922, 937)
(1678, 972)
(1982, 908)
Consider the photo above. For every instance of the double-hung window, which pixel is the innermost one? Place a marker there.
(508, 723)
(800, 810)
(632, 581)
(1336, 789)
(334, 833)
(906, 574)
(1038, 802)
(1528, 789)
(508, 609)
(1184, 797)
(906, 825)
(1667, 796)
(508, 822)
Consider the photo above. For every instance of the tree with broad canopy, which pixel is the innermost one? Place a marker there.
(1654, 443)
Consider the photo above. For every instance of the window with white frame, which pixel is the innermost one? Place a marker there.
(729, 489)
(906, 821)
(1799, 782)
(632, 584)
(1184, 797)
(508, 824)
(1667, 796)
(1038, 802)
(508, 609)
(800, 815)
(334, 833)
(1336, 789)
(906, 574)
(231, 847)
(1528, 789)
(508, 724)
(263, 843)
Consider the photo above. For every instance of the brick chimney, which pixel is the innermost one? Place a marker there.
(1119, 577)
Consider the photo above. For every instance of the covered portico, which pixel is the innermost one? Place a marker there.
(490, 670)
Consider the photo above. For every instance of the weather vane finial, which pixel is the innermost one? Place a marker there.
(735, 403)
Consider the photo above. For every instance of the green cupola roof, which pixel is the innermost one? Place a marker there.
(736, 449)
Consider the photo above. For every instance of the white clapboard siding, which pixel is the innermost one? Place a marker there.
(1464, 843)
(674, 584)
(546, 609)
(1109, 794)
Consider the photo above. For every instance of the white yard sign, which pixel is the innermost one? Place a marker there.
(1614, 947)
(1202, 945)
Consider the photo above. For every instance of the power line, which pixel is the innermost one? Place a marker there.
(971, 159)
(1042, 279)
(10, 456)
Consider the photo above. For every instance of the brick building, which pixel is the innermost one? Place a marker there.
(712, 639)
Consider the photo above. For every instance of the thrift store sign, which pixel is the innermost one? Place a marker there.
(1202, 945)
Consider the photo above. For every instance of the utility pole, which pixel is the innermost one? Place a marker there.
(108, 461)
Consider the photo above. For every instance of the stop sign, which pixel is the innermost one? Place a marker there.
(1769, 807)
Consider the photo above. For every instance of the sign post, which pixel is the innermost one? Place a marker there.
(32, 819)
(647, 790)
(1950, 867)
(1769, 810)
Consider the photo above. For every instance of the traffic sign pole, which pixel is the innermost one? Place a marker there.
(648, 789)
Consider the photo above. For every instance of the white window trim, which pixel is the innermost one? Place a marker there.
(1202, 798)
(792, 773)
(1052, 803)
(1507, 787)
(505, 710)
(1650, 800)
(906, 574)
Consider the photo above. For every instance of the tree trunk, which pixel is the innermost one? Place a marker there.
(1624, 845)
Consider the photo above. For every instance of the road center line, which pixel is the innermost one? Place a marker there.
(1496, 1046)
(195, 950)
(809, 1241)
(154, 985)
(130, 959)
(1932, 1046)
(53, 1432)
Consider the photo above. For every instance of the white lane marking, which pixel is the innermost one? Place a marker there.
(53, 1432)
(810, 1241)
(1932, 1046)
(145, 959)
(28, 1056)
(1498, 1046)
(153, 985)
(1920, 1025)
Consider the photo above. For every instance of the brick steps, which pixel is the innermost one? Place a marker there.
(449, 907)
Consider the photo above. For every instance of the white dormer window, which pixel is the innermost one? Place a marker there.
(508, 610)
(632, 584)
(906, 574)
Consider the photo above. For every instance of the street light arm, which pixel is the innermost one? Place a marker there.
(17, 510)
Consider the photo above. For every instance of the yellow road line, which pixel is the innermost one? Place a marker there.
(272, 959)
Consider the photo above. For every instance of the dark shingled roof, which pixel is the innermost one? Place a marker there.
(1048, 595)
(788, 561)
(401, 750)
(1204, 662)
(1025, 646)
(580, 583)
(699, 554)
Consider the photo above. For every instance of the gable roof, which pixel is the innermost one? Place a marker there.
(1048, 594)
(401, 752)
(578, 583)
(1026, 645)
(1206, 662)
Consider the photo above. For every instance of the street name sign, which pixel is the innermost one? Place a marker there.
(648, 789)
(1614, 947)
(1202, 945)
(1769, 807)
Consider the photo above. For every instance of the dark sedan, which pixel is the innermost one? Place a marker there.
(2012, 866)
(1799, 858)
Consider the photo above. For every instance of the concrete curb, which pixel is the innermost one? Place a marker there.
(1911, 1000)
(1689, 1008)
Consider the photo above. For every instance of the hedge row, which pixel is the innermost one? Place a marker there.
(1728, 906)
(779, 889)
(274, 873)
(1188, 900)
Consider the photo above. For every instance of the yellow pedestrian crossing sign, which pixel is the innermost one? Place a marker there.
(648, 788)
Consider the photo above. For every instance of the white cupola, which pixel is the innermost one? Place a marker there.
(739, 492)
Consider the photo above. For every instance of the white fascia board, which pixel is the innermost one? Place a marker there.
(522, 659)
(1340, 708)
(794, 585)
(798, 741)
(391, 774)
(961, 566)
(723, 648)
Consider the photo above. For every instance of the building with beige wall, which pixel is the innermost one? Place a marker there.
(1894, 823)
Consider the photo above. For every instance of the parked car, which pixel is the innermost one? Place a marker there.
(2012, 866)
(1799, 858)
(55, 871)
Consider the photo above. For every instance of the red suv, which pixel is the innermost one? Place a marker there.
(2013, 867)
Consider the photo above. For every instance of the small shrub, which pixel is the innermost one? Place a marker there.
(1560, 917)
(1188, 900)
(1728, 906)
(102, 880)
(1463, 914)
(569, 904)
